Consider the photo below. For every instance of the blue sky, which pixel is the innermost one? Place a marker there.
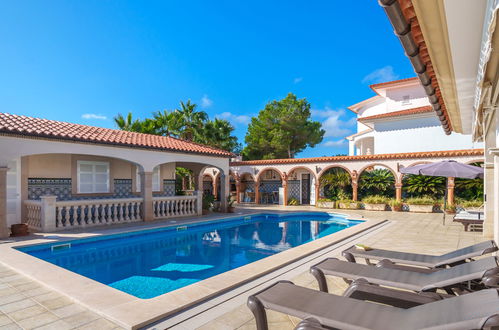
(86, 61)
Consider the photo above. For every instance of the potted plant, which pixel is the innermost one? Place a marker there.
(423, 204)
(396, 205)
(293, 201)
(230, 204)
(348, 204)
(325, 203)
(208, 200)
(375, 203)
(20, 229)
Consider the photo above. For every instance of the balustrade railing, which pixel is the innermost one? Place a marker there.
(49, 215)
(175, 206)
(83, 213)
(33, 214)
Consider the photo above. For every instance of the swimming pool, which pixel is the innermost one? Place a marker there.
(149, 263)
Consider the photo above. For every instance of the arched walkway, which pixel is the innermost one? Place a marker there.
(335, 182)
(268, 182)
(378, 179)
(300, 186)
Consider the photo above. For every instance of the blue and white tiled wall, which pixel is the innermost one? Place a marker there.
(294, 189)
(61, 188)
(270, 186)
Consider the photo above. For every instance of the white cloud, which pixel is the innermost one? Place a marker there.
(297, 80)
(234, 119)
(336, 124)
(206, 102)
(337, 143)
(380, 75)
(93, 116)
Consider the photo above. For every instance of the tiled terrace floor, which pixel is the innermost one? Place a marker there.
(410, 232)
(25, 304)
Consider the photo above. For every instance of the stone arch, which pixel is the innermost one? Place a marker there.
(258, 176)
(302, 168)
(359, 173)
(353, 177)
(396, 182)
(475, 161)
(267, 193)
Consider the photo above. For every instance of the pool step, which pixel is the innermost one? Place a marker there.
(181, 228)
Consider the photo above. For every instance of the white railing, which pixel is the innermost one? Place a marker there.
(176, 206)
(94, 212)
(50, 215)
(33, 214)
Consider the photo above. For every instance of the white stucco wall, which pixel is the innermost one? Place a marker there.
(395, 98)
(422, 134)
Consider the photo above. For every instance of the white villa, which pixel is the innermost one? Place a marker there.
(400, 118)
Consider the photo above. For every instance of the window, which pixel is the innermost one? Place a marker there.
(406, 99)
(156, 179)
(93, 177)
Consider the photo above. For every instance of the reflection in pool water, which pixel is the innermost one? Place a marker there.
(150, 263)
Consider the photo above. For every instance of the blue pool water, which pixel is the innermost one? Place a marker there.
(149, 263)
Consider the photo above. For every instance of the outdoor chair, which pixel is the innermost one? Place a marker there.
(465, 277)
(422, 260)
(320, 310)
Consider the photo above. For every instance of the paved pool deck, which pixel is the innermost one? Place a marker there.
(26, 304)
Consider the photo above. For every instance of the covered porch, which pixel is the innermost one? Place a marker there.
(53, 184)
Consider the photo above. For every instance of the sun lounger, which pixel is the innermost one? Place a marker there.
(422, 260)
(428, 280)
(476, 310)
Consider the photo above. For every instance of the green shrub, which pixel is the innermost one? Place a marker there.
(325, 200)
(349, 202)
(375, 199)
(395, 203)
(293, 201)
(424, 200)
(208, 201)
(472, 203)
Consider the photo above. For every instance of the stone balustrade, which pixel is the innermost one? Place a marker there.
(48, 214)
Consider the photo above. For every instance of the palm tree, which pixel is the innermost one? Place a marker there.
(336, 182)
(469, 189)
(168, 123)
(378, 181)
(218, 133)
(190, 121)
(421, 185)
(127, 123)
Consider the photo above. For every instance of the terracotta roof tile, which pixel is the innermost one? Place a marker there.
(37, 127)
(393, 82)
(407, 155)
(400, 113)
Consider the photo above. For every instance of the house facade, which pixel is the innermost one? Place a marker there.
(56, 175)
(400, 118)
(452, 46)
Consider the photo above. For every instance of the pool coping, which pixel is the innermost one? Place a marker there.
(132, 312)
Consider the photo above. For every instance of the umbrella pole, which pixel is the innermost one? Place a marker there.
(445, 205)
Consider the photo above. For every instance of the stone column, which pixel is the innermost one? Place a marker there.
(48, 213)
(285, 192)
(317, 192)
(224, 192)
(199, 202)
(214, 186)
(257, 191)
(450, 191)
(398, 191)
(4, 230)
(146, 192)
(238, 189)
(355, 193)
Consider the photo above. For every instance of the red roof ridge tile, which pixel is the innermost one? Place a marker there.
(408, 155)
(41, 127)
(412, 111)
